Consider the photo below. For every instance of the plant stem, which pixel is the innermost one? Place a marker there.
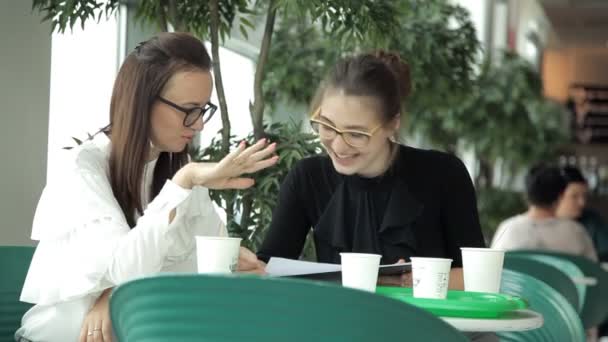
(246, 214)
(162, 17)
(176, 20)
(214, 23)
(257, 110)
(485, 176)
(219, 84)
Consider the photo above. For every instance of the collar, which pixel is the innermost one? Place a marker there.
(401, 211)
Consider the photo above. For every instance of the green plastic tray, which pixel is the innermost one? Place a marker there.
(459, 303)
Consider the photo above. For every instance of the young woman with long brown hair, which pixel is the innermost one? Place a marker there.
(130, 201)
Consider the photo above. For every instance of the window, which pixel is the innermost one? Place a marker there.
(83, 68)
(237, 74)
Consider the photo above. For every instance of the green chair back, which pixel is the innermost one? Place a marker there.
(14, 263)
(194, 307)
(570, 269)
(561, 321)
(549, 274)
(595, 302)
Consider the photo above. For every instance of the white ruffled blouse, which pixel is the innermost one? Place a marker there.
(85, 244)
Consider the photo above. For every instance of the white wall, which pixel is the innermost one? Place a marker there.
(500, 28)
(530, 18)
(563, 66)
(25, 62)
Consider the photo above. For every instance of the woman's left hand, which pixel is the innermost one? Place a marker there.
(97, 326)
(249, 263)
(228, 173)
(405, 280)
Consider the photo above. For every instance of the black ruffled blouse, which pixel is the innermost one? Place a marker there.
(424, 205)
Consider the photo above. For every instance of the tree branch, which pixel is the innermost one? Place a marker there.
(217, 72)
(486, 175)
(214, 23)
(162, 17)
(176, 20)
(246, 215)
(257, 109)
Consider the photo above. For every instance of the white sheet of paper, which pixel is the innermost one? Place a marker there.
(281, 267)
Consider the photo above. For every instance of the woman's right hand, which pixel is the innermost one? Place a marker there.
(227, 173)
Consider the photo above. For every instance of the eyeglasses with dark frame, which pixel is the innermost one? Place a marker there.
(193, 113)
(353, 138)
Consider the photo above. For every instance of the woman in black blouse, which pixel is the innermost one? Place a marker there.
(370, 194)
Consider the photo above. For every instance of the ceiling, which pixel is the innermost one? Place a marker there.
(579, 22)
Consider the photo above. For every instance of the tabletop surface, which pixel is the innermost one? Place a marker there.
(519, 320)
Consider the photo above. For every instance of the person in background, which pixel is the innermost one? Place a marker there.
(369, 193)
(130, 202)
(572, 205)
(539, 228)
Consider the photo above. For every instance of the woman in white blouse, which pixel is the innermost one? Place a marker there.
(129, 201)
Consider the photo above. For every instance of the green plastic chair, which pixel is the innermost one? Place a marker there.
(549, 274)
(570, 269)
(595, 302)
(561, 321)
(14, 263)
(194, 307)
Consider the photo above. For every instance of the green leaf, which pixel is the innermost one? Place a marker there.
(247, 23)
(244, 32)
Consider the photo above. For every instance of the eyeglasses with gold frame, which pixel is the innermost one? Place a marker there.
(353, 138)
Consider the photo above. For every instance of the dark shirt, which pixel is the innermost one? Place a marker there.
(424, 205)
(598, 231)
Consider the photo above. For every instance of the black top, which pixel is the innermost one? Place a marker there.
(598, 231)
(424, 205)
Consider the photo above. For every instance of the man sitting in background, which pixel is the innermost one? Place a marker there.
(539, 228)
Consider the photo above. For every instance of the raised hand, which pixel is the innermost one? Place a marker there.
(227, 174)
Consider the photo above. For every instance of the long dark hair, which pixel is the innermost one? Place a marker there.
(141, 78)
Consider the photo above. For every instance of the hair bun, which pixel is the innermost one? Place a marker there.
(400, 69)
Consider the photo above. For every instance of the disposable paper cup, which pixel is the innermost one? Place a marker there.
(360, 270)
(482, 269)
(217, 254)
(430, 277)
